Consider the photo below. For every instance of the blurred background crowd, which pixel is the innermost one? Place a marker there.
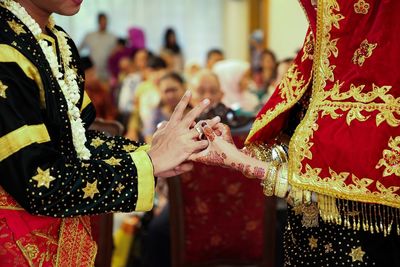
(140, 57)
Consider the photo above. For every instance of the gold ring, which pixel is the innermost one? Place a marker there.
(199, 130)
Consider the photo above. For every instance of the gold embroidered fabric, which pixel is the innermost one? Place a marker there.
(363, 52)
(391, 158)
(376, 104)
(361, 7)
(291, 88)
(377, 101)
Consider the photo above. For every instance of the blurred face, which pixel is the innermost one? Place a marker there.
(214, 58)
(171, 38)
(62, 7)
(140, 60)
(208, 87)
(267, 62)
(171, 92)
(102, 23)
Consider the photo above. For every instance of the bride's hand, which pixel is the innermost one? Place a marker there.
(221, 151)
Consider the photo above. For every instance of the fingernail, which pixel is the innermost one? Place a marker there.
(206, 101)
(217, 118)
(187, 92)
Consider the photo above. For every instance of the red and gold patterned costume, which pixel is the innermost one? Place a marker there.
(347, 146)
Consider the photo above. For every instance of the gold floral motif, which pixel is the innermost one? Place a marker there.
(361, 7)
(90, 190)
(313, 242)
(377, 100)
(328, 248)
(308, 48)
(391, 158)
(349, 185)
(363, 52)
(336, 184)
(16, 27)
(357, 254)
(119, 188)
(3, 89)
(291, 90)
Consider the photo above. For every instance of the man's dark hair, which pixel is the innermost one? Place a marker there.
(156, 63)
(214, 51)
(100, 16)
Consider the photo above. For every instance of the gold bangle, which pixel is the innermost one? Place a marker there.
(296, 196)
(269, 181)
(281, 187)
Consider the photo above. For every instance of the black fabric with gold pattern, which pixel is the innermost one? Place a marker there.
(38, 162)
(335, 245)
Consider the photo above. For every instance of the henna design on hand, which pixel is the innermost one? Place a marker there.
(257, 172)
(213, 158)
(209, 133)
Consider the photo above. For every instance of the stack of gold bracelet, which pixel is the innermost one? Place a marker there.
(275, 181)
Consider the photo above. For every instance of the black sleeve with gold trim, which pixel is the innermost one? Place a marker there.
(37, 163)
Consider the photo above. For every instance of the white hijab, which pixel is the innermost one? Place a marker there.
(230, 72)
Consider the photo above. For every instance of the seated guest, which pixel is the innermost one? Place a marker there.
(146, 97)
(205, 85)
(135, 76)
(97, 92)
(234, 78)
(171, 89)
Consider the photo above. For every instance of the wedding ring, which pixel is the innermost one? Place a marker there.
(199, 130)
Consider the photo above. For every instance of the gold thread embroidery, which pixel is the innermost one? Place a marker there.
(361, 7)
(378, 99)
(3, 89)
(43, 178)
(391, 158)
(90, 190)
(291, 89)
(308, 49)
(16, 27)
(300, 145)
(113, 161)
(96, 142)
(363, 52)
(357, 254)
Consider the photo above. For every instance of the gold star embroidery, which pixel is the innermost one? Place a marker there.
(129, 148)
(357, 254)
(120, 188)
(90, 190)
(43, 178)
(328, 248)
(16, 27)
(113, 161)
(3, 89)
(96, 142)
(313, 242)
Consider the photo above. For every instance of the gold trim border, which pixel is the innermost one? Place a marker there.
(21, 138)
